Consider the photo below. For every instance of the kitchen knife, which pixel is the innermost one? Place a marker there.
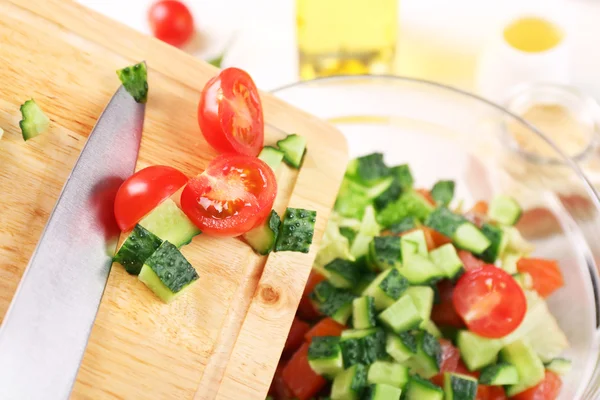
(46, 328)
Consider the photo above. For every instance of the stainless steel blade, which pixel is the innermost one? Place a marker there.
(46, 329)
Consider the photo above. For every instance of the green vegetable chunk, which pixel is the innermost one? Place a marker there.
(271, 156)
(169, 223)
(443, 192)
(410, 204)
(263, 237)
(293, 148)
(388, 373)
(297, 230)
(505, 210)
(135, 80)
(401, 316)
(367, 169)
(498, 241)
(167, 273)
(363, 313)
(343, 273)
(34, 121)
(350, 384)
(421, 389)
(386, 288)
(428, 359)
(560, 366)
(401, 347)
(404, 225)
(136, 249)
(499, 374)
(384, 252)
(464, 233)
(381, 391)
(459, 387)
(362, 346)
(325, 355)
(331, 301)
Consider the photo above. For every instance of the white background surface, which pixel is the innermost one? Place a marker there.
(455, 30)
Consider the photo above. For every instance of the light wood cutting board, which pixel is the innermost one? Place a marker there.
(223, 338)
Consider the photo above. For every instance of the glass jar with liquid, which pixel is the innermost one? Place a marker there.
(346, 37)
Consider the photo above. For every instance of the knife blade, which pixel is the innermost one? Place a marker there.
(46, 328)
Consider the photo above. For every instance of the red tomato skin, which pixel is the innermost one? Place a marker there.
(490, 393)
(143, 191)
(470, 261)
(295, 337)
(258, 198)
(547, 389)
(508, 301)
(443, 313)
(217, 112)
(171, 21)
(306, 309)
(299, 377)
(325, 327)
(545, 274)
(278, 389)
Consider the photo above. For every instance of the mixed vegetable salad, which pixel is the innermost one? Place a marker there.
(412, 298)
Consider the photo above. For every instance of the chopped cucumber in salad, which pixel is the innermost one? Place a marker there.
(417, 284)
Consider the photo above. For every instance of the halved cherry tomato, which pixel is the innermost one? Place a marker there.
(490, 302)
(295, 336)
(548, 389)
(545, 274)
(485, 392)
(470, 261)
(299, 377)
(233, 195)
(143, 191)
(230, 113)
(325, 327)
(306, 309)
(171, 21)
(443, 313)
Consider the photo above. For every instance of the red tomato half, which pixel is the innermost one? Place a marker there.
(325, 327)
(545, 274)
(171, 22)
(443, 313)
(143, 191)
(233, 195)
(299, 377)
(548, 389)
(295, 336)
(490, 302)
(230, 113)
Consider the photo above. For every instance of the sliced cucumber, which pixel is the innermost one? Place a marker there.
(404, 225)
(363, 312)
(135, 80)
(499, 374)
(384, 252)
(447, 259)
(136, 249)
(560, 366)
(297, 230)
(498, 240)
(387, 287)
(362, 346)
(409, 204)
(382, 391)
(271, 156)
(401, 316)
(349, 384)
(422, 297)
(477, 351)
(34, 121)
(343, 273)
(293, 148)
(333, 302)
(431, 327)
(428, 359)
(263, 237)
(459, 387)
(505, 210)
(413, 243)
(401, 347)
(169, 223)
(464, 233)
(420, 270)
(421, 389)
(325, 355)
(167, 273)
(388, 373)
(528, 364)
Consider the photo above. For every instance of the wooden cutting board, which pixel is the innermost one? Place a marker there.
(223, 338)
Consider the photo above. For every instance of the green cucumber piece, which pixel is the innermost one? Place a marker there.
(384, 252)
(443, 192)
(167, 273)
(463, 232)
(419, 270)
(363, 312)
(136, 249)
(297, 230)
(325, 355)
(446, 258)
(409, 204)
(169, 223)
(349, 384)
(382, 391)
(428, 359)
(404, 225)
(271, 156)
(34, 121)
(386, 288)
(476, 351)
(388, 373)
(459, 387)
(333, 302)
(421, 389)
(293, 148)
(343, 273)
(362, 346)
(498, 240)
(401, 316)
(528, 364)
(413, 243)
(135, 80)
(504, 210)
(263, 237)
(422, 297)
(499, 374)
(560, 366)
(368, 169)
(401, 347)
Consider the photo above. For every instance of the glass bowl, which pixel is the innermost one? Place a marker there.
(445, 133)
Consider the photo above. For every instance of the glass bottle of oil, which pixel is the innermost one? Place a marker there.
(346, 37)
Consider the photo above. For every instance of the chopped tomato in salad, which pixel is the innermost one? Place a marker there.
(296, 335)
(547, 389)
(299, 377)
(545, 274)
(443, 312)
(325, 327)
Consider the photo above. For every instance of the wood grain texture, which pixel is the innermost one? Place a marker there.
(223, 338)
